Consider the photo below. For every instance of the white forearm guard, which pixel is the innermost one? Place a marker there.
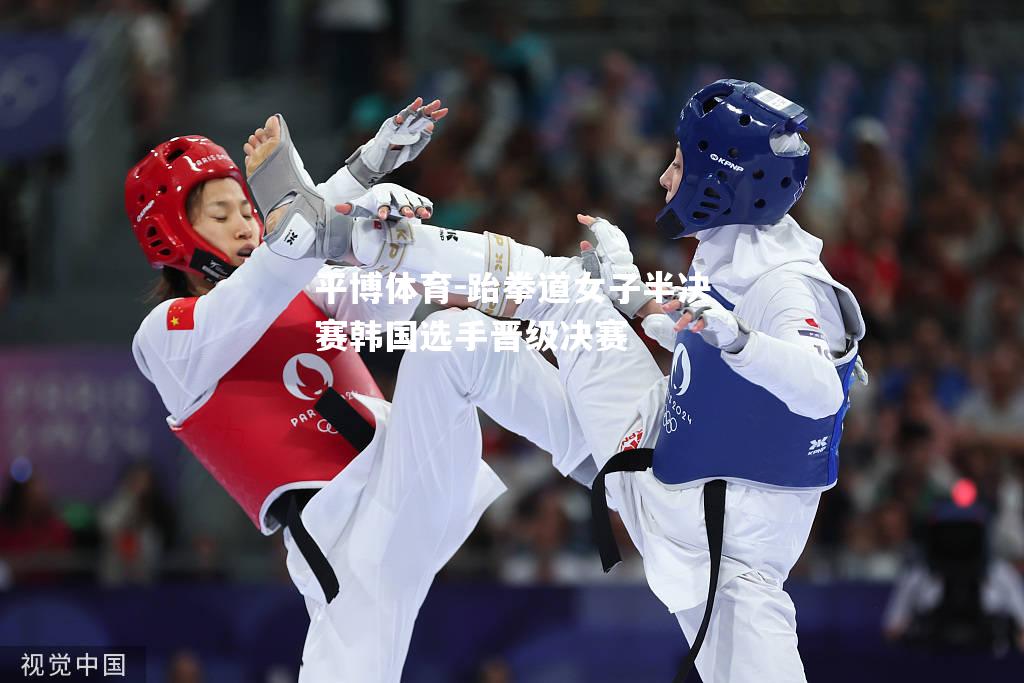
(427, 249)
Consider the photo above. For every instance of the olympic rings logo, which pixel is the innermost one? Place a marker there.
(325, 427)
(669, 422)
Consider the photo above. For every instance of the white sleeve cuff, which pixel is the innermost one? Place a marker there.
(747, 354)
(340, 187)
(293, 273)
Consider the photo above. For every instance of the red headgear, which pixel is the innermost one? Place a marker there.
(155, 193)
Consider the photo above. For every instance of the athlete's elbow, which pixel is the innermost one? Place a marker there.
(825, 397)
(835, 398)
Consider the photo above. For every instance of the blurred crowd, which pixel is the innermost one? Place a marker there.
(934, 252)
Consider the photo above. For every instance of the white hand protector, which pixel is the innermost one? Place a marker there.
(394, 197)
(612, 262)
(722, 329)
(393, 145)
(660, 328)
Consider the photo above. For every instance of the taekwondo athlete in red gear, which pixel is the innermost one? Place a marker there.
(373, 496)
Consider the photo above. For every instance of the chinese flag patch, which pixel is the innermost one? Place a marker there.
(181, 314)
(812, 322)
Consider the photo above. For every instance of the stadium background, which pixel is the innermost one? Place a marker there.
(111, 534)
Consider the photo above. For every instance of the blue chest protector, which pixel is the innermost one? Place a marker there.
(718, 425)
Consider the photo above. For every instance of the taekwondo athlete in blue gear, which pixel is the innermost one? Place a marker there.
(768, 445)
(740, 166)
(744, 166)
(733, 176)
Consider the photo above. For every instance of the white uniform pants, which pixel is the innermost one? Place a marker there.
(752, 634)
(425, 490)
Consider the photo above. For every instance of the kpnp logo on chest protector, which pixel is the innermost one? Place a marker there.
(818, 446)
(306, 376)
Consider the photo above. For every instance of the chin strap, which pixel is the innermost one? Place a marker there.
(210, 266)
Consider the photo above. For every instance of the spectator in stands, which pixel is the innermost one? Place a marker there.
(34, 540)
(955, 149)
(609, 144)
(153, 45)
(856, 558)
(995, 312)
(931, 363)
(820, 210)
(993, 415)
(345, 28)
(137, 525)
(876, 191)
(523, 56)
(485, 110)
(391, 94)
(915, 473)
(875, 198)
(544, 532)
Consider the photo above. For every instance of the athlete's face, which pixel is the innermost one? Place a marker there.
(672, 176)
(224, 218)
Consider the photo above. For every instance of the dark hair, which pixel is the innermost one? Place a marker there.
(173, 283)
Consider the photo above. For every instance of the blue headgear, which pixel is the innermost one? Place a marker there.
(731, 173)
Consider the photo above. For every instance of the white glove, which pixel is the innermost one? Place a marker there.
(393, 198)
(661, 329)
(393, 145)
(861, 372)
(722, 329)
(612, 262)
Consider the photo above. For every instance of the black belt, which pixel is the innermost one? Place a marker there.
(714, 520)
(343, 417)
(315, 558)
(358, 432)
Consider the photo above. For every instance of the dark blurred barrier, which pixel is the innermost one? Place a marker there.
(543, 635)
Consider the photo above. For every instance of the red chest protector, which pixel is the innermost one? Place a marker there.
(259, 433)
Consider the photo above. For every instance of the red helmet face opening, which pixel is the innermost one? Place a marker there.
(155, 195)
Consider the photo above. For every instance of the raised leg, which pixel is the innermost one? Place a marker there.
(425, 494)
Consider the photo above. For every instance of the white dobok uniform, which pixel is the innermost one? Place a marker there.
(395, 515)
(773, 276)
